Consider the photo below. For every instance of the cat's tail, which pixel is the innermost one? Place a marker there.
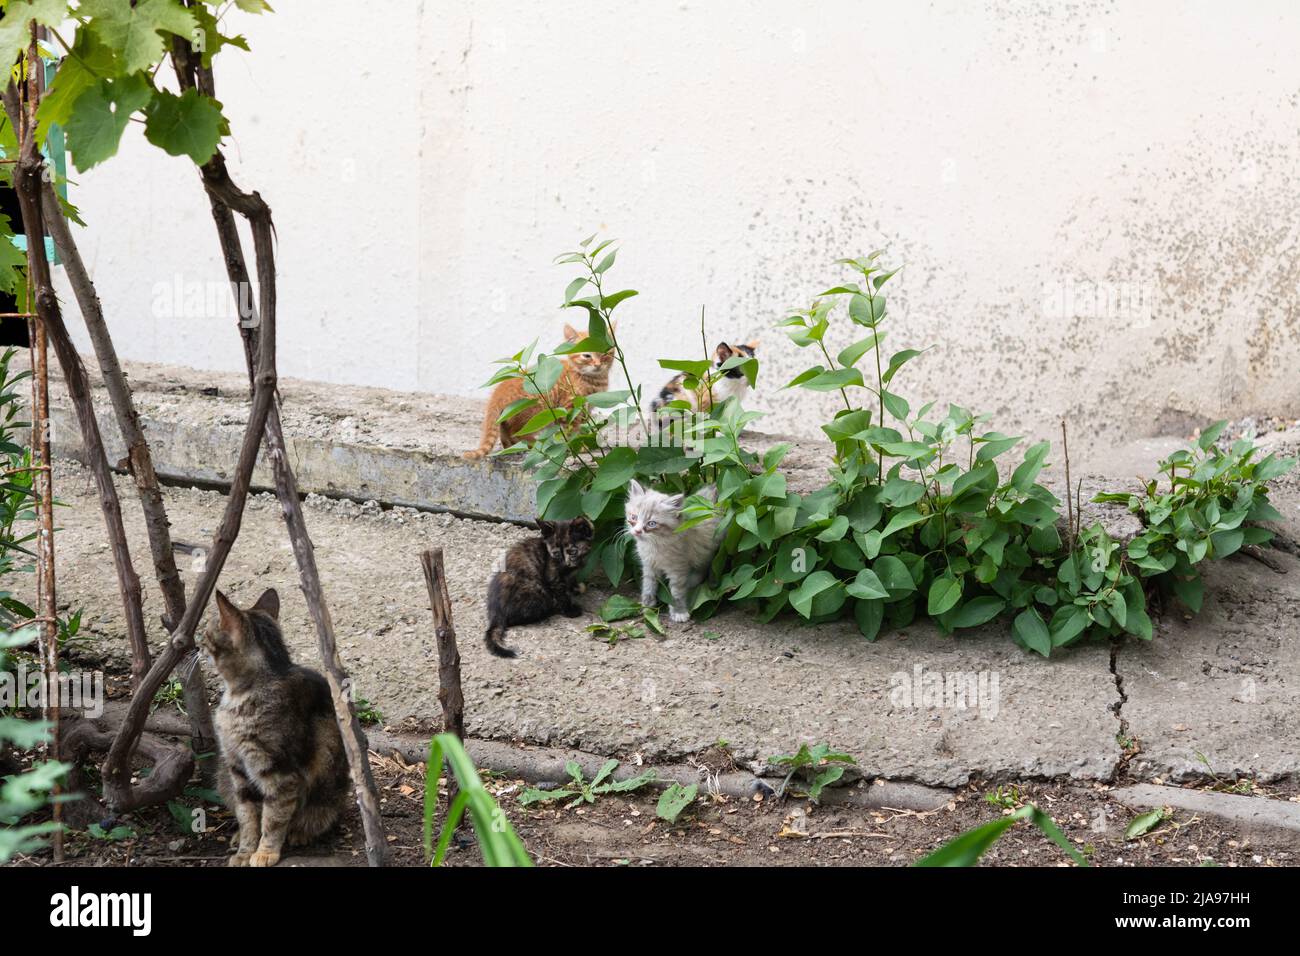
(491, 430)
(494, 637)
(498, 616)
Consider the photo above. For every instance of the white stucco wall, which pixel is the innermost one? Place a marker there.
(1019, 158)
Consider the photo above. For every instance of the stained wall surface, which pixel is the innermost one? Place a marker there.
(1094, 202)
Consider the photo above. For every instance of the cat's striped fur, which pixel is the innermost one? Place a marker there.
(283, 770)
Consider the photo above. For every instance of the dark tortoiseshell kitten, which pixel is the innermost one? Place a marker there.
(539, 578)
(283, 770)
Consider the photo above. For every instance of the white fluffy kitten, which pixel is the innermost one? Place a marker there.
(681, 558)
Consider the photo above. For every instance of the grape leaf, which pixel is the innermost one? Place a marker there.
(88, 63)
(132, 30)
(187, 125)
(15, 28)
(99, 116)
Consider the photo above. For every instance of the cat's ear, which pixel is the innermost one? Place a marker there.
(229, 614)
(752, 345)
(582, 527)
(634, 489)
(269, 603)
(571, 334)
(675, 501)
(547, 528)
(723, 351)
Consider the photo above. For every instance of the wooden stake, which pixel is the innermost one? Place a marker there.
(450, 694)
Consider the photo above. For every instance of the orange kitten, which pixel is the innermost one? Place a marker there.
(585, 373)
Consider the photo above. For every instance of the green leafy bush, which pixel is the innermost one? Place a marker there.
(924, 513)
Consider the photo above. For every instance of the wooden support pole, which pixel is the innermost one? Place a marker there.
(450, 694)
(140, 464)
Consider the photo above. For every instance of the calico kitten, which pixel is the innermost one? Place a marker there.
(732, 384)
(682, 558)
(539, 578)
(585, 373)
(282, 764)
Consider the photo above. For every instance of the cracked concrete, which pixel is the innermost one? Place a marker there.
(1224, 684)
(1219, 693)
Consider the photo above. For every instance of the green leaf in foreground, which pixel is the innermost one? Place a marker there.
(187, 125)
(1143, 823)
(945, 592)
(497, 841)
(619, 608)
(100, 115)
(674, 800)
(966, 849)
(132, 29)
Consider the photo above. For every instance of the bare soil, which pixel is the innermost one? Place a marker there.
(764, 830)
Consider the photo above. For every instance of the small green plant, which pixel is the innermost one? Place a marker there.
(1205, 504)
(819, 766)
(1144, 823)
(579, 790)
(69, 629)
(674, 800)
(170, 694)
(966, 849)
(1222, 784)
(1008, 798)
(115, 835)
(622, 618)
(497, 841)
(367, 712)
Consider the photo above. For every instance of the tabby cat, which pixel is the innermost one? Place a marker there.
(282, 764)
(732, 383)
(585, 373)
(538, 579)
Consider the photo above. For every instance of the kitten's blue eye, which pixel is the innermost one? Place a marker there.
(652, 524)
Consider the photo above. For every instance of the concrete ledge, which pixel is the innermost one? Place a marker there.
(396, 448)
(362, 444)
(1251, 811)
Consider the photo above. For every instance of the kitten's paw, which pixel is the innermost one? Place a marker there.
(264, 858)
(475, 455)
(239, 859)
(649, 600)
(679, 617)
